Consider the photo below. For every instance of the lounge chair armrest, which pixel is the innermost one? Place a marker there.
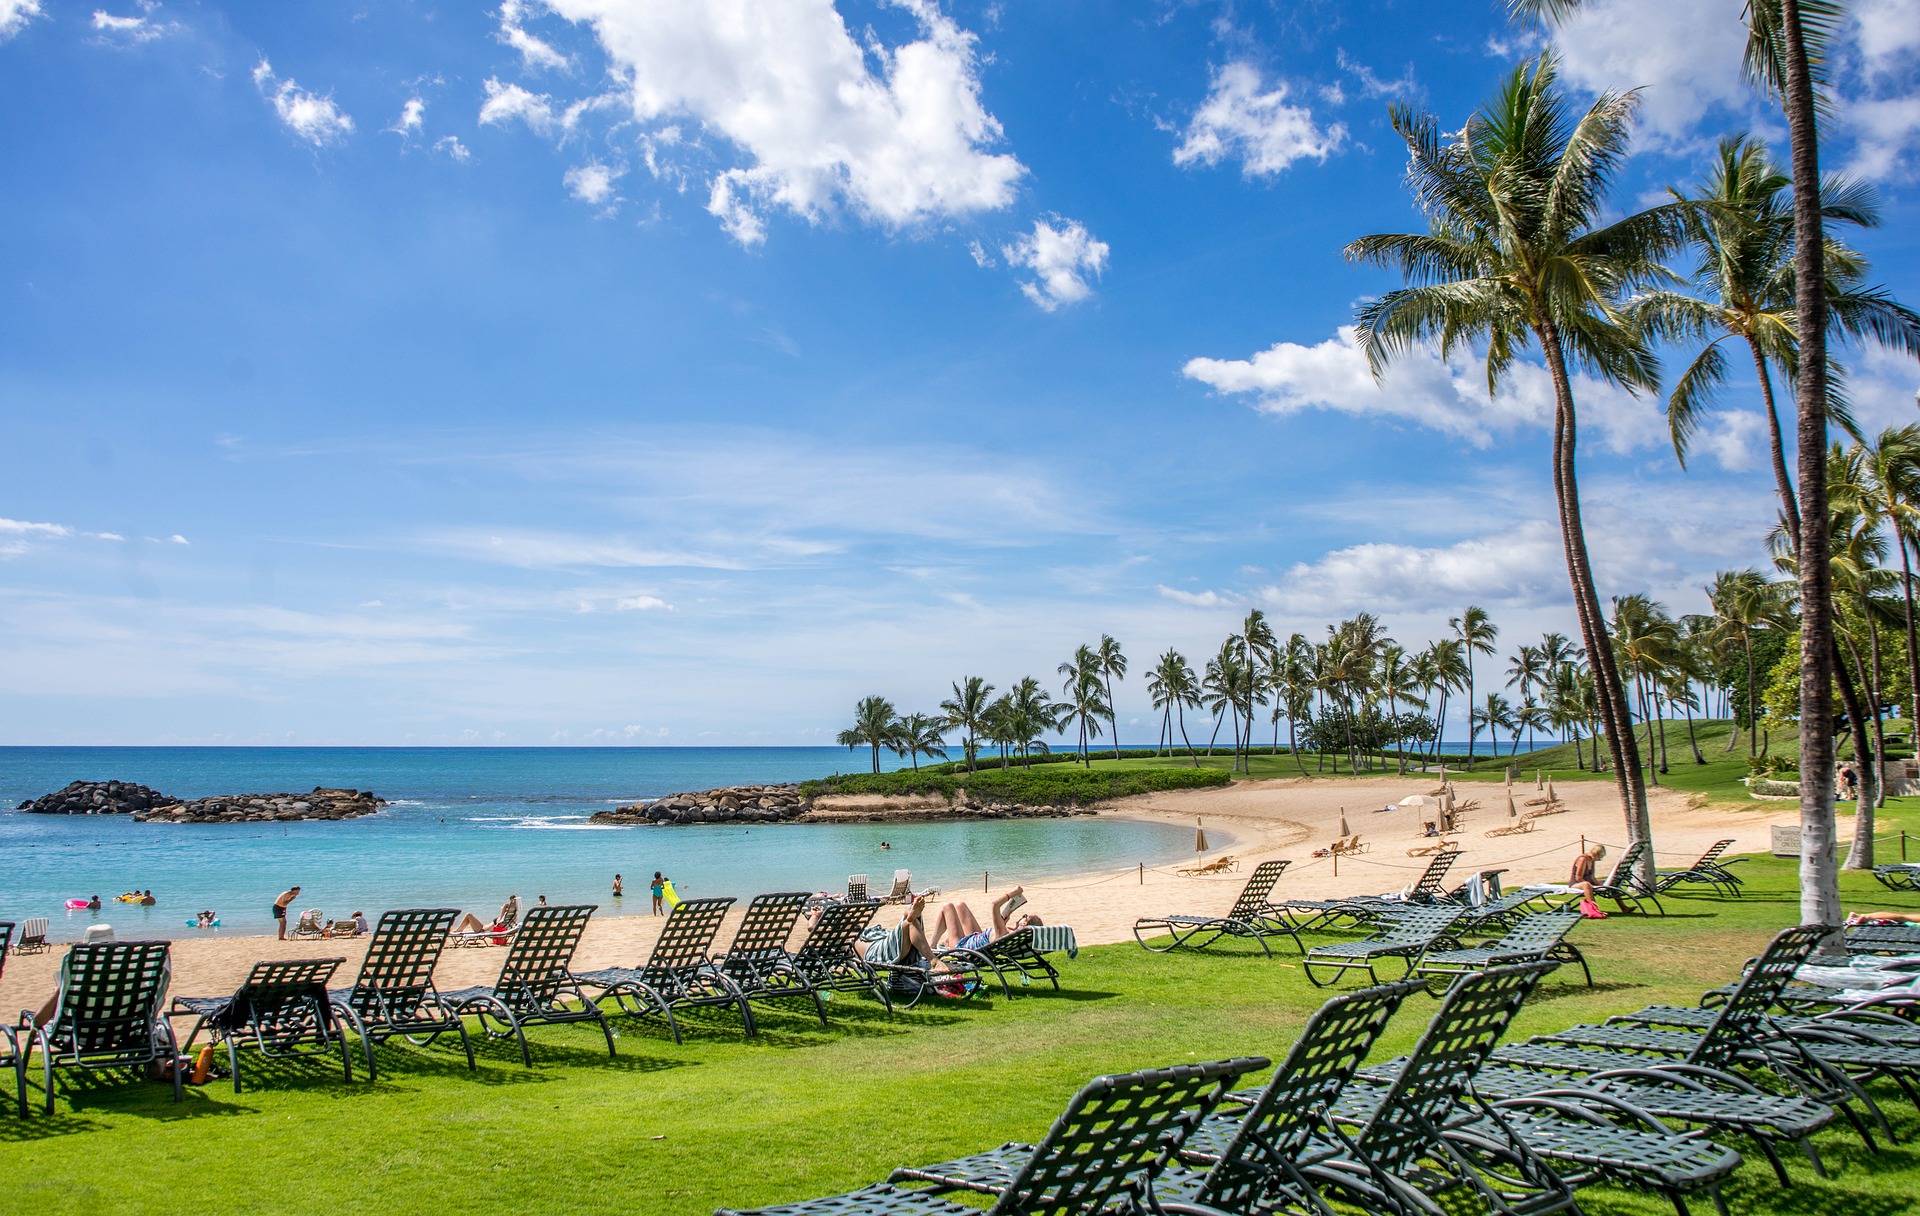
(1581, 1108)
(1189, 1209)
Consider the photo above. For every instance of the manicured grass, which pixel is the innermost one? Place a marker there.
(802, 1112)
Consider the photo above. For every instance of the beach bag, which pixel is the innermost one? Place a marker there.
(1591, 910)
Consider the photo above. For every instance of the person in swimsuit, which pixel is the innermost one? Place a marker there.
(957, 926)
(280, 910)
(505, 919)
(616, 886)
(659, 893)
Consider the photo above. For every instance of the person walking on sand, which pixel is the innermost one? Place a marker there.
(659, 893)
(280, 911)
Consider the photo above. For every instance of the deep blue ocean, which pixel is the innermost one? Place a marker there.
(467, 826)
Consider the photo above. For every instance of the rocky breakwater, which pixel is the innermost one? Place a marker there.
(786, 804)
(322, 803)
(734, 804)
(98, 798)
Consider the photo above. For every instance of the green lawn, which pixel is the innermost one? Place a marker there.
(802, 1112)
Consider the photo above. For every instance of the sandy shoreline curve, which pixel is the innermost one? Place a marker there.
(1264, 819)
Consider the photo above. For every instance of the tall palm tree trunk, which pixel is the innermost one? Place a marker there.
(1913, 642)
(1782, 481)
(1875, 699)
(1692, 741)
(1866, 759)
(1183, 735)
(1614, 715)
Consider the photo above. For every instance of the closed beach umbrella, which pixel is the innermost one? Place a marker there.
(1550, 794)
(1513, 812)
(1199, 838)
(1509, 781)
(1344, 829)
(1536, 779)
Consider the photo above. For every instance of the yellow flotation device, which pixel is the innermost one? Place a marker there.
(671, 896)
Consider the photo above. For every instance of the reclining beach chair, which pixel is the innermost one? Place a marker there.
(33, 936)
(1901, 876)
(1400, 1156)
(678, 973)
(6, 939)
(1247, 1155)
(1624, 885)
(282, 1010)
(10, 1056)
(1409, 934)
(1709, 869)
(758, 961)
(394, 992)
(1219, 865)
(1900, 937)
(312, 923)
(535, 985)
(827, 957)
(1100, 1156)
(1251, 916)
(1018, 951)
(1538, 938)
(1427, 890)
(856, 888)
(107, 1014)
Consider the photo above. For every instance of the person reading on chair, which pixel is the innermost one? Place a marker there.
(956, 925)
(505, 919)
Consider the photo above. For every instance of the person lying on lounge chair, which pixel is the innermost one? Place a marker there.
(507, 918)
(956, 926)
(916, 949)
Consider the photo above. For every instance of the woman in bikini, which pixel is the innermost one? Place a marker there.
(957, 926)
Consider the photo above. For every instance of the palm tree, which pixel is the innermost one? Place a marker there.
(1516, 254)
(1291, 679)
(918, 735)
(1744, 601)
(1786, 55)
(1085, 706)
(1113, 666)
(873, 726)
(1256, 636)
(1083, 666)
(1525, 669)
(1173, 689)
(999, 726)
(1450, 675)
(1032, 715)
(966, 712)
(1497, 712)
(1891, 466)
(1475, 632)
(1399, 681)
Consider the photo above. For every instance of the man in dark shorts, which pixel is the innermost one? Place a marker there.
(280, 910)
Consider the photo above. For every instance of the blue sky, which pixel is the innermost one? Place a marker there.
(680, 371)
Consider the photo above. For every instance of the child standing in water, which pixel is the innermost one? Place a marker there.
(659, 893)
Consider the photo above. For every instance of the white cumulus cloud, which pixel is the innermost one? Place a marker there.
(14, 15)
(1266, 133)
(897, 134)
(452, 146)
(1193, 599)
(308, 115)
(641, 603)
(1062, 259)
(592, 183)
(534, 52)
(507, 102)
(143, 28)
(1421, 388)
(413, 117)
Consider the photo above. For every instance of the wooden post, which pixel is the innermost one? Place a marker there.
(986, 881)
(1143, 873)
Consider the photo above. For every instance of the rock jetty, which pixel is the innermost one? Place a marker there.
(151, 806)
(98, 798)
(322, 803)
(785, 804)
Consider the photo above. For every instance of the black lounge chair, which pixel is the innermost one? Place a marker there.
(107, 1014)
(6, 938)
(535, 985)
(394, 994)
(1249, 1159)
(1427, 890)
(1402, 1157)
(1709, 869)
(1738, 1043)
(678, 973)
(1541, 936)
(1901, 876)
(828, 959)
(10, 1056)
(1100, 1155)
(1016, 952)
(1898, 938)
(758, 961)
(1408, 936)
(1252, 916)
(282, 1010)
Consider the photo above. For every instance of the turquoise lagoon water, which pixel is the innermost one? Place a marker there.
(466, 826)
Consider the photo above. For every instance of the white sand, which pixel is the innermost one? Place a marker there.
(1266, 819)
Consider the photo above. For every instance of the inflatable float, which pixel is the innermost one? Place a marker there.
(78, 903)
(195, 924)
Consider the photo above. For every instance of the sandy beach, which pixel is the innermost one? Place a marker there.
(1287, 818)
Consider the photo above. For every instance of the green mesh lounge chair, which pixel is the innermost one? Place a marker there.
(1252, 917)
(1409, 934)
(1399, 1156)
(1250, 1159)
(394, 994)
(1709, 870)
(281, 1010)
(1901, 876)
(535, 987)
(10, 1056)
(1099, 1157)
(1736, 1053)
(758, 961)
(827, 957)
(108, 1013)
(1427, 890)
(1541, 936)
(678, 973)
(1016, 952)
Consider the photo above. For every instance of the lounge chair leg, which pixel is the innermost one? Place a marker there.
(606, 1028)
(233, 1062)
(173, 1057)
(820, 1007)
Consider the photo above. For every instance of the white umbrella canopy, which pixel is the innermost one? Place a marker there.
(1420, 802)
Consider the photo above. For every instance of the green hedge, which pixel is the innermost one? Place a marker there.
(1023, 787)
